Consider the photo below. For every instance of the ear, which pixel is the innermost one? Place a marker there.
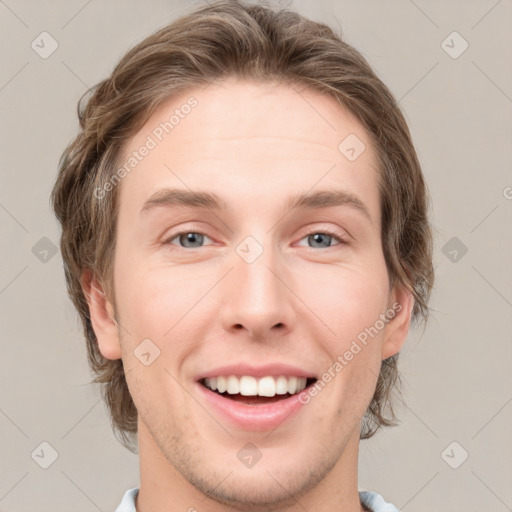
(395, 333)
(102, 317)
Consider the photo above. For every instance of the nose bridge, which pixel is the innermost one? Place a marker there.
(257, 300)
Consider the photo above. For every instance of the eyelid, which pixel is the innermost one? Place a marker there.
(171, 237)
(192, 227)
(343, 239)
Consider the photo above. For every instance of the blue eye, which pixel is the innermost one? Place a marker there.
(194, 240)
(322, 238)
(189, 239)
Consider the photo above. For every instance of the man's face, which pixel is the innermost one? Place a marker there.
(254, 284)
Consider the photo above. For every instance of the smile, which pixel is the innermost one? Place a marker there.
(249, 403)
(248, 385)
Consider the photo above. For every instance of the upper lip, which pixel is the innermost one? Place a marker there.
(275, 369)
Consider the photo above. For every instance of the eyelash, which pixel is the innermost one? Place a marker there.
(341, 239)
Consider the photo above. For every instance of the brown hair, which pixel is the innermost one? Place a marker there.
(231, 38)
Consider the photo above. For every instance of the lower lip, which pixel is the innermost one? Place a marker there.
(253, 417)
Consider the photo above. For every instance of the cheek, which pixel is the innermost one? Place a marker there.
(154, 300)
(346, 299)
(349, 301)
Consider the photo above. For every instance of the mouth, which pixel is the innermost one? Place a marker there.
(256, 398)
(252, 391)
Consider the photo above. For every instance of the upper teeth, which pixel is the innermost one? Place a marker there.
(250, 386)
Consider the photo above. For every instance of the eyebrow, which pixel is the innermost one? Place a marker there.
(177, 197)
(315, 200)
(327, 198)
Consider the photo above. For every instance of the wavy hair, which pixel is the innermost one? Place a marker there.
(262, 43)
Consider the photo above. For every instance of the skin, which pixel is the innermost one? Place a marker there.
(301, 302)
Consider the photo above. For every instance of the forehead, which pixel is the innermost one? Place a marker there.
(254, 137)
(247, 109)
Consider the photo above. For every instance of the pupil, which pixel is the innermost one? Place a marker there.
(192, 238)
(318, 238)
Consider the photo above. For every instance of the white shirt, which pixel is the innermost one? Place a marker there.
(375, 502)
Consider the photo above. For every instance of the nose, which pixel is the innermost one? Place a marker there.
(258, 299)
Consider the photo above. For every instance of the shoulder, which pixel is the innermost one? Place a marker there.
(375, 502)
(128, 502)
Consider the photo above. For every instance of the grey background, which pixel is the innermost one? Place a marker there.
(457, 378)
